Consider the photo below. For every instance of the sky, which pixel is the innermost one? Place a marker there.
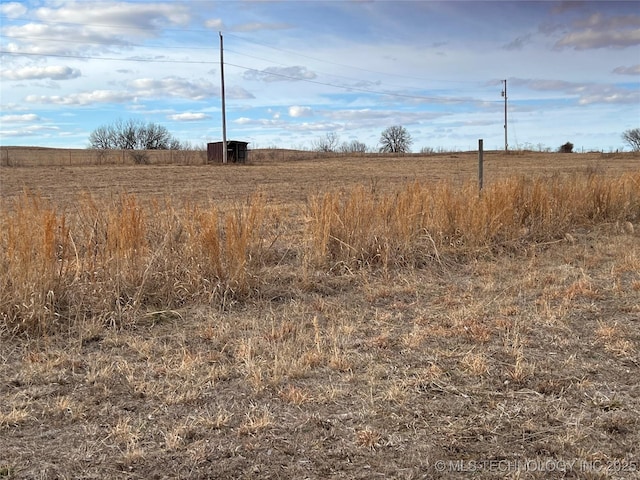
(297, 71)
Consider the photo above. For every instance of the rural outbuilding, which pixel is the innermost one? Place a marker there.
(236, 152)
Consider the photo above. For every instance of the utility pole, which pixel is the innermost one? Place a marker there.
(504, 94)
(224, 114)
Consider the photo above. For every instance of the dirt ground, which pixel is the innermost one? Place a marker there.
(518, 365)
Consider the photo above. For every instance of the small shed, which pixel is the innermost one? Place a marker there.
(236, 152)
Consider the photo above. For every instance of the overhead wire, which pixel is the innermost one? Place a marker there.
(289, 52)
(358, 89)
(106, 25)
(82, 42)
(166, 47)
(314, 70)
(181, 61)
(226, 33)
(263, 72)
(88, 57)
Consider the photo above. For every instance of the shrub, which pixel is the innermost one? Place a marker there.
(566, 148)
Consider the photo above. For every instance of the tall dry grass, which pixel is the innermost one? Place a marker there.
(114, 262)
(423, 221)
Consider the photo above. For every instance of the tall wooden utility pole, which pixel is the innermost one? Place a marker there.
(224, 114)
(504, 94)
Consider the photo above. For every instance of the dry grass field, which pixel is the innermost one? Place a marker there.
(346, 317)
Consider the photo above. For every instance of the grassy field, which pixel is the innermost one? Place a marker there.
(286, 180)
(351, 317)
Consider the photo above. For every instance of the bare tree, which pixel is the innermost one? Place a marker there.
(354, 146)
(395, 139)
(133, 135)
(327, 143)
(428, 150)
(101, 138)
(632, 137)
(126, 133)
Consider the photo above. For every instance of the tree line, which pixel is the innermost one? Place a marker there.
(137, 135)
(133, 135)
(395, 139)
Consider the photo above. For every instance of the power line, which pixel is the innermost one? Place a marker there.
(107, 44)
(289, 77)
(357, 89)
(87, 57)
(263, 72)
(105, 25)
(289, 52)
(314, 71)
(114, 44)
(341, 64)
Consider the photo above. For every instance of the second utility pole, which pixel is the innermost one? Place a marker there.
(504, 94)
(224, 114)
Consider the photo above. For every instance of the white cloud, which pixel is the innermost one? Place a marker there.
(587, 93)
(184, 88)
(599, 31)
(27, 117)
(360, 114)
(134, 17)
(315, 127)
(13, 107)
(215, 23)
(53, 72)
(547, 85)
(174, 87)
(297, 111)
(28, 131)
(218, 24)
(188, 116)
(368, 118)
(618, 97)
(279, 74)
(632, 70)
(261, 122)
(13, 9)
(238, 93)
(36, 38)
(143, 88)
(83, 98)
(591, 39)
(80, 27)
(598, 21)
